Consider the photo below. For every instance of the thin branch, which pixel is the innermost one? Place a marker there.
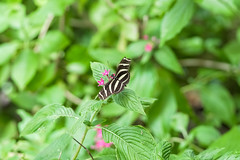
(191, 62)
(72, 98)
(84, 148)
(46, 26)
(84, 135)
(44, 29)
(60, 155)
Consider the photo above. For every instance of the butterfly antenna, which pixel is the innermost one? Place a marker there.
(84, 147)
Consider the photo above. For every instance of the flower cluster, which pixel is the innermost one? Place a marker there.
(105, 73)
(150, 45)
(100, 144)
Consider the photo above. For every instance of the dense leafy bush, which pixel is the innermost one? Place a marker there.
(182, 101)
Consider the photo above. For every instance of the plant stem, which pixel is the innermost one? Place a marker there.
(193, 62)
(84, 134)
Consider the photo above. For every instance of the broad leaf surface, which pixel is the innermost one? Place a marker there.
(24, 68)
(131, 142)
(46, 115)
(176, 19)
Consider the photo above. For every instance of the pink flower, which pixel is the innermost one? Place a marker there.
(145, 37)
(106, 72)
(148, 47)
(100, 144)
(100, 83)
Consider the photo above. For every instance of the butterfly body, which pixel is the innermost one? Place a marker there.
(118, 82)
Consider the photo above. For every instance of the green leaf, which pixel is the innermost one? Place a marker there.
(4, 21)
(225, 8)
(232, 52)
(128, 99)
(55, 149)
(229, 141)
(166, 150)
(131, 142)
(7, 50)
(167, 58)
(53, 94)
(209, 154)
(205, 135)
(97, 70)
(54, 41)
(218, 102)
(112, 110)
(43, 77)
(136, 49)
(142, 75)
(107, 56)
(46, 115)
(4, 74)
(147, 100)
(24, 68)
(130, 30)
(180, 123)
(26, 100)
(106, 154)
(85, 110)
(176, 19)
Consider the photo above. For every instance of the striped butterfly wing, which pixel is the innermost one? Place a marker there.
(120, 80)
(122, 75)
(106, 90)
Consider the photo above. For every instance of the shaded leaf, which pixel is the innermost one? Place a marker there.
(167, 58)
(24, 68)
(4, 73)
(7, 50)
(176, 19)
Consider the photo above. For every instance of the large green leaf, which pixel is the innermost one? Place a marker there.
(218, 102)
(232, 52)
(167, 58)
(55, 149)
(24, 68)
(46, 115)
(205, 135)
(53, 94)
(106, 154)
(54, 41)
(4, 73)
(136, 49)
(222, 7)
(144, 75)
(7, 50)
(107, 56)
(131, 142)
(128, 99)
(229, 141)
(176, 19)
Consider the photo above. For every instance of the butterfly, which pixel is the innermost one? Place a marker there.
(118, 82)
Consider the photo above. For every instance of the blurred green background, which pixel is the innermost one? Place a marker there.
(185, 53)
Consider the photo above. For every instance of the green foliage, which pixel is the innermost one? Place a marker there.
(128, 99)
(131, 142)
(182, 101)
(45, 116)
